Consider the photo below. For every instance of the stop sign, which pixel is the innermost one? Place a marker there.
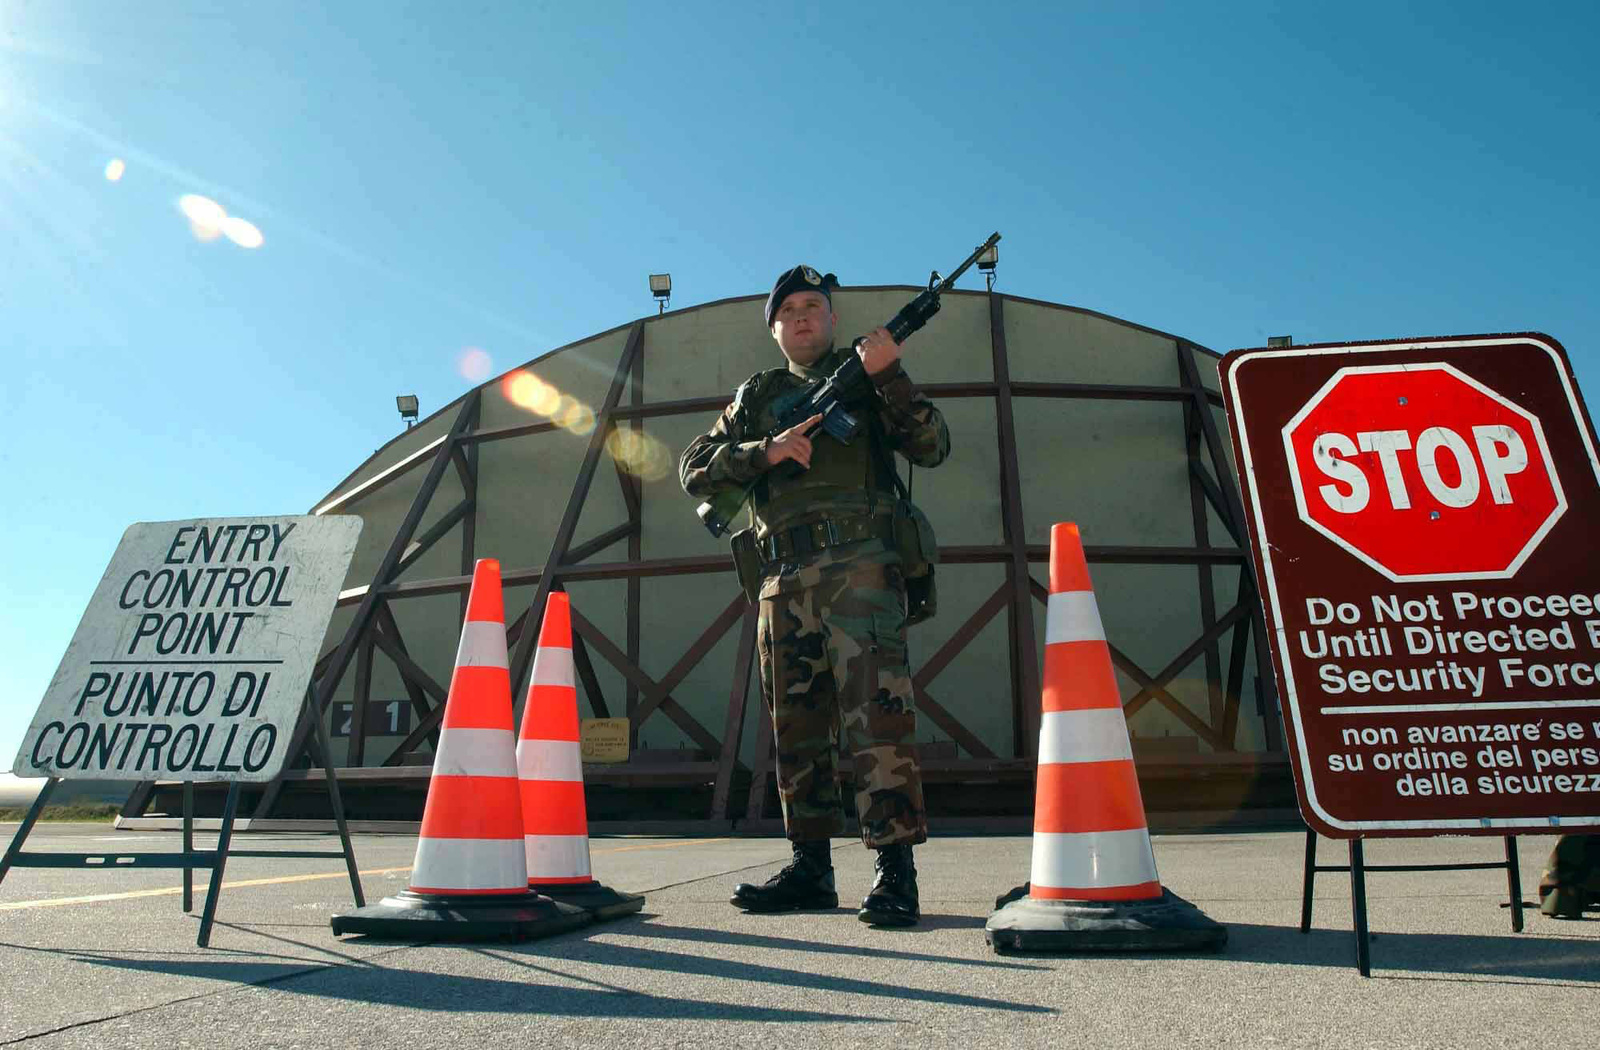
(1423, 472)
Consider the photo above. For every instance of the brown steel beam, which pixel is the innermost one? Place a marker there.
(469, 522)
(523, 657)
(438, 531)
(618, 659)
(419, 684)
(1024, 659)
(363, 617)
(591, 681)
(733, 725)
(941, 717)
(601, 542)
(384, 477)
(635, 595)
(1230, 492)
(1240, 611)
(956, 555)
(683, 407)
(1216, 701)
(1230, 714)
(358, 708)
(691, 659)
(963, 635)
(515, 430)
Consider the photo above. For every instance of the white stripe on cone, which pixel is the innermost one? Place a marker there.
(552, 665)
(557, 856)
(469, 864)
(475, 753)
(483, 644)
(549, 760)
(1073, 616)
(1096, 735)
(1092, 859)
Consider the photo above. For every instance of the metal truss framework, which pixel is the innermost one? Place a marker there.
(374, 629)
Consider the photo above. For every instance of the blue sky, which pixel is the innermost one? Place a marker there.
(427, 180)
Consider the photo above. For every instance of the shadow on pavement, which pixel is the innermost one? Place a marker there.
(449, 993)
(580, 949)
(643, 927)
(385, 985)
(1467, 956)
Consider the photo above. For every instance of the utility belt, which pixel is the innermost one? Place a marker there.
(905, 530)
(801, 541)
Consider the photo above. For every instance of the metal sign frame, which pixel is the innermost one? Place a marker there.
(188, 858)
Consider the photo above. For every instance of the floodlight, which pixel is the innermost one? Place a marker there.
(986, 262)
(661, 288)
(407, 404)
(1280, 340)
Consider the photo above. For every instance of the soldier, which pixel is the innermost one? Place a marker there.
(832, 628)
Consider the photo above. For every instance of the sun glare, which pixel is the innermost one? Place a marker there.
(114, 169)
(474, 364)
(242, 232)
(209, 220)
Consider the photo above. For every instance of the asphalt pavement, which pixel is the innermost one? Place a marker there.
(107, 958)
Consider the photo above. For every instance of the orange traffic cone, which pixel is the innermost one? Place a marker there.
(469, 880)
(1093, 886)
(555, 822)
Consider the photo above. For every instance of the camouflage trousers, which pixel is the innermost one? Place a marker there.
(834, 671)
(1571, 881)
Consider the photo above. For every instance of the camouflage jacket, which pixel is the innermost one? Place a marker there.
(844, 480)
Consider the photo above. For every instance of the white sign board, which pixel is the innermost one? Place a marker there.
(192, 659)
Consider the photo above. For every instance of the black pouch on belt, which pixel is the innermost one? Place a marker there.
(919, 553)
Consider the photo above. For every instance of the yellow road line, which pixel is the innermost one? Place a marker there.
(661, 845)
(168, 891)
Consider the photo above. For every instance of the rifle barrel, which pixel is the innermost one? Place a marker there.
(945, 285)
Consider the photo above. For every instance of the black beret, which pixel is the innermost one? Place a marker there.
(800, 279)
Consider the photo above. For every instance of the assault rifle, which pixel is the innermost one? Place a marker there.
(831, 397)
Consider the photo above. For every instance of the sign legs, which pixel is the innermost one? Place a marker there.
(1358, 868)
(188, 844)
(218, 864)
(14, 850)
(1358, 902)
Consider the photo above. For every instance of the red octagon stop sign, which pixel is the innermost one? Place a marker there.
(1423, 472)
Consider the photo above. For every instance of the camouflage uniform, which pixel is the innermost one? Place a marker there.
(832, 633)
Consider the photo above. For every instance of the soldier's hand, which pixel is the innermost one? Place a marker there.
(878, 350)
(793, 444)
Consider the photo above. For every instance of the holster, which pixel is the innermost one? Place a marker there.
(919, 553)
(747, 562)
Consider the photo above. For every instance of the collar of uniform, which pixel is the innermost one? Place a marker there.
(821, 370)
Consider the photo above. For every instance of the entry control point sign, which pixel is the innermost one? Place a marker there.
(1423, 515)
(192, 659)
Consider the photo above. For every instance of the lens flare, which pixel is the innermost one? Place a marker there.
(242, 232)
(579, 420)
(639, 454)
(521, 388)
(474, 364)
(547, 400)
(205, 216)
(115, 169)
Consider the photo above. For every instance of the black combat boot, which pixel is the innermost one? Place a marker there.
(805, 882)
(893, 900)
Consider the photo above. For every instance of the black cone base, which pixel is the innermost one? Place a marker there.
(600, 901)
(411, 916)
(1165, 923)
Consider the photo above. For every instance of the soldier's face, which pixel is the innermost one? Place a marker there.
(803, 326)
